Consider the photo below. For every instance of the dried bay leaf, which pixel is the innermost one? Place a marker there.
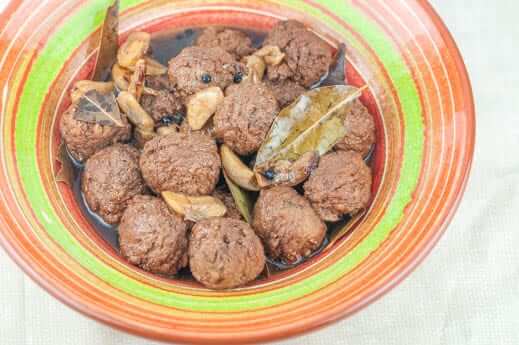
(243, 199)
(65, 172)
(109, 45)
(313, 123)
(100, 108)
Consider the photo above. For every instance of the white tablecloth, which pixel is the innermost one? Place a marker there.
(466, 292)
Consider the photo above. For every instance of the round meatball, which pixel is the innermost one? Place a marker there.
(110, 179)
(153, 237)
(360, 130)
(308, 57)
(286, 91)
(340, 185)
(287, 224)
(228, 200)
(244, 118)
(181, 162)
(197, 68)
(225, 253)
(165, 104)
(83, 139)
(234, 42)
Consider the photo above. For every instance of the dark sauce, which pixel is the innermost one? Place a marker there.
(164, 46)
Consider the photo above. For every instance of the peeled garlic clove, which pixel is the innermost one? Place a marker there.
(236, 170)
(121, 77)
(134, 111)
(83, 86)
(202, 105)
(195, 208)
(165, 130)
(150, 91)
(255, 68)
(133, 49)
(287, 173)
(153, 67)
(271, 54)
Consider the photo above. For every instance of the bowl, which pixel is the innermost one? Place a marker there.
(419, 92)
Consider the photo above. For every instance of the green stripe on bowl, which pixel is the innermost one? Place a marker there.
(61, 45)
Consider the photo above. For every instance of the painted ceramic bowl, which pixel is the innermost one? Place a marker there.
(418, 89)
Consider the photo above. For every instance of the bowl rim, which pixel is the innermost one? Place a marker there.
(321, 320)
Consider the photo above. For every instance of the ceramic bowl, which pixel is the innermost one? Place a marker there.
(418, 90)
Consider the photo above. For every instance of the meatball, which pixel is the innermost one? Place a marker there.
(286, 91)
(244, 118)
(110, 179)
(234, 42)
(340, 185)
(83, 139)
(287, 224)
(164, 104)
(360, 130)
(159, 82)
(153, 237)
(181, 162)
(308, 57)
(225, 253)
(197, 68)
(228, 201)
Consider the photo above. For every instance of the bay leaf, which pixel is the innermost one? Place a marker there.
(337, 75)
(109, 43)
(314, 122)
(65, 172)
(100, 108)
(243, 199)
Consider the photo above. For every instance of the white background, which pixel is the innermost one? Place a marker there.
(467, 290)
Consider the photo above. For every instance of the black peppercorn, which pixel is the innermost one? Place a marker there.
(206, 78)
(269, 174)
(238, 77)
(176, 119)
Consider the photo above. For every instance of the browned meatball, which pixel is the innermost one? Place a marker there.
(197, 68)
(228, 201)
(181, 162)
(244, 118)
(287, 224)
(159, 82)
(110, 179)
(164, 104)
(153, 237)
(286, 91)
(308, 57)
(360, 130)
(234, 42)
(340, 185)
(83, 139)
(225, 253)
